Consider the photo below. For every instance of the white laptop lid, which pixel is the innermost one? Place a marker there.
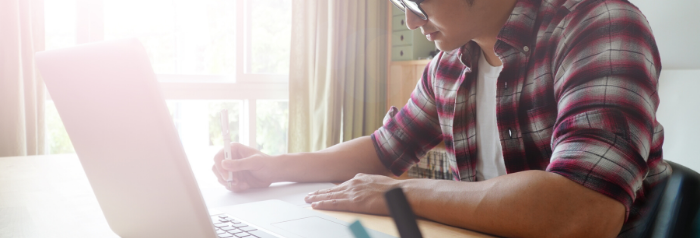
(109, 100)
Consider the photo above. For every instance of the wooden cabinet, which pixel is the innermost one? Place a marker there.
(403, 77)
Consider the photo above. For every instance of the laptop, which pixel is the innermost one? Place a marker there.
(111, 105)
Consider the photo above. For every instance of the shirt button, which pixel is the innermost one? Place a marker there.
(510, 133)
(506, 85)
(526, 49)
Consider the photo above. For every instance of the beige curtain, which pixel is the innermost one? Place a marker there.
(21, 89)
(337, 71)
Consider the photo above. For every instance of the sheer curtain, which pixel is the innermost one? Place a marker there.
(21, 88)
(337, 77)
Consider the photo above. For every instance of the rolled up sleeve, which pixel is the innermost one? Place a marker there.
(407, 134)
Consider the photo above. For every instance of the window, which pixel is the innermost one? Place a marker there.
(207, 55)
(269, 40)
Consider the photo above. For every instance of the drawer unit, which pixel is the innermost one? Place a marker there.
(407, 44)
(395, 10)
(402, 38)
(401, 53)
(398, 23)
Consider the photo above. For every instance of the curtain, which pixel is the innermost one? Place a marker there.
(337, 77)
(21, 88)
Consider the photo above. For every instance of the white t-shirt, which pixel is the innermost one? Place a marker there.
(490, 162)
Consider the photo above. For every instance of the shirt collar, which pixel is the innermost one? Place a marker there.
(516, 33)
(469, 55)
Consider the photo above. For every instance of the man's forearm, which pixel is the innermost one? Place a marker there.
(525, 204)
(337, 163)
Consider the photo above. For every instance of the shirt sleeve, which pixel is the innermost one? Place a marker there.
(408, 134)
(606, 91)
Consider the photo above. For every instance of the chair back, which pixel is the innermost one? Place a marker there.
(677, 214)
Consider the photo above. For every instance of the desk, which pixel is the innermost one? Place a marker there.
(50, 196)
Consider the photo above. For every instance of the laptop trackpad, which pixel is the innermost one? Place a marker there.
(314, 227)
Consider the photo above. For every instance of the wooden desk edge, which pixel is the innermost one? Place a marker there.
(386, 225)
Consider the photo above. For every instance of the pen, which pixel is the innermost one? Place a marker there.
(227, 142)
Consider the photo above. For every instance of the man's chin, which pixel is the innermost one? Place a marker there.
(443, 46)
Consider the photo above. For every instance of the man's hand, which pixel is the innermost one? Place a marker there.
(363, 194)
(252, 168)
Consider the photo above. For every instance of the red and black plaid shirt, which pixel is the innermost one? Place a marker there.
(577, 96)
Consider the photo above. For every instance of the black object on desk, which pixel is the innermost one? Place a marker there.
(402, 213)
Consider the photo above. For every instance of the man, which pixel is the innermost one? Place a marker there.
(546, 107)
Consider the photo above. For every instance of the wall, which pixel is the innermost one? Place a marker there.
(679, 113)
(676, 29)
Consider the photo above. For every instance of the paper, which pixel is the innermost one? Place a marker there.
(290, 192)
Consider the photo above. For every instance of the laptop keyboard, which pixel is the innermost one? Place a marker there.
(227, 227)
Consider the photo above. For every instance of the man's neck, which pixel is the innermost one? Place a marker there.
(489, 53)
(502, 10)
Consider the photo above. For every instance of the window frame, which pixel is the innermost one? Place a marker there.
(244, 86)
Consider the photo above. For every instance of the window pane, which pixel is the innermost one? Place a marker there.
(59, 20)
(60, 32)
(57, 139)
(270, 29)
(180, 36)
(234, 112)
(271, 126)
(198, 122)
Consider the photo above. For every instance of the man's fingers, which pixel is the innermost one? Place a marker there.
(334, 205)
(240, 186)
(218, 172)
(328, 190)
(238, 151)
(242, 151)
(325, 196)
(223, 182)
(243, 158)
(222, 174)
(222, 178)
(240, 164)
(235, 185)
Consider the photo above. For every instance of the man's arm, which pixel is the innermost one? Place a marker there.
(525, 204)
(338, 163)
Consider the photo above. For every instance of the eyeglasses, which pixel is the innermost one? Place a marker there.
(413, 5)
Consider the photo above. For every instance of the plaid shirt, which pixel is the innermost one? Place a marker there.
(577, 96)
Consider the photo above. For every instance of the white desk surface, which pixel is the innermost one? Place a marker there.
(50, 196)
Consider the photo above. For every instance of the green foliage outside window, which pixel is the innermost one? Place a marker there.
(58, 142)
(271, 32)
(215, 108)
(272, 126)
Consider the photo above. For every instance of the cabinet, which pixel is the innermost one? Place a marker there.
(407, 44)
(403, 77)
